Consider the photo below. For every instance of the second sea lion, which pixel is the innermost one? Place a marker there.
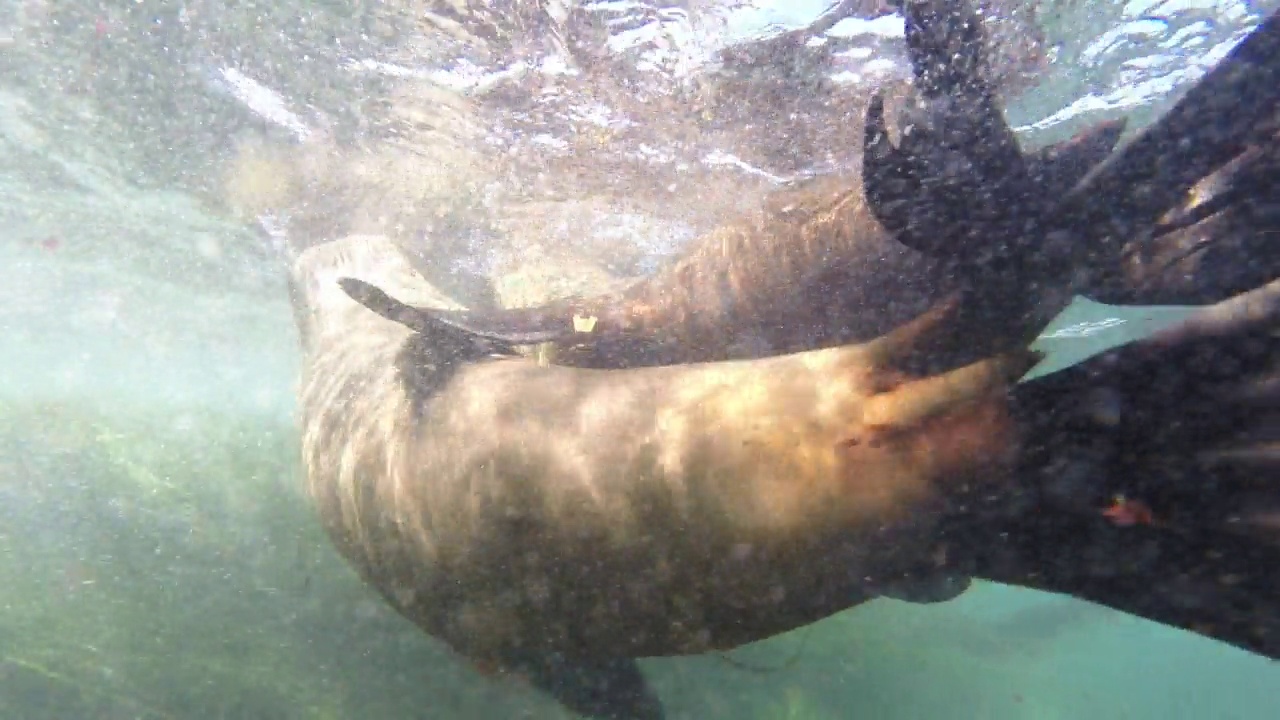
(820, 264)
(812, 268)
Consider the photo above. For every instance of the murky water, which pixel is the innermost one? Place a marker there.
(157, 559)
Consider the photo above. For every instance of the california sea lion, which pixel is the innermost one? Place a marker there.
(815, 266)
(559, 521)
(812, 268)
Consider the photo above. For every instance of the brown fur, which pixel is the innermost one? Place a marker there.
(811, 268)
(754, 277)
(653, 511)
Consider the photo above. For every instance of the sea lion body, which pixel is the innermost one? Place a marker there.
(546, 517)
(813, 267)
(515, 509)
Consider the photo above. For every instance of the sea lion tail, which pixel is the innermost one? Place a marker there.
(1151, 479)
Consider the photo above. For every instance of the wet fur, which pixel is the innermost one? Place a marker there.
(812, 268)
(513, 509)
(521, 512)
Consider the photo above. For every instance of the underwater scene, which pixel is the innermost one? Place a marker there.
(169, 548)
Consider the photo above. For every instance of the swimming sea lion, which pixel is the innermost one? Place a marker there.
(815, 267)
(811, 268)
(559, 521)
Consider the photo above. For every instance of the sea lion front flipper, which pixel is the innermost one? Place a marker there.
(509, 327)
(1150, 481)
(375, 299)
(522, 326)
(601, 689)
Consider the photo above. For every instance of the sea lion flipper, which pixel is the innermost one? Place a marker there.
(508, 327)
(375, 299)
(1153, 171)
(955, 187)
(1058, 167)
(606, 688)
(1153, 485)
(520, 326)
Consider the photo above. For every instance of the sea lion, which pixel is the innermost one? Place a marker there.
(811, 268)
(560, 521)
(816, 265)
(826, 263)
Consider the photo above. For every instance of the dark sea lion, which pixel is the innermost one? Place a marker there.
(558, 521)
(818, 265)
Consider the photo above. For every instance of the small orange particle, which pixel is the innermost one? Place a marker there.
(1125, 512)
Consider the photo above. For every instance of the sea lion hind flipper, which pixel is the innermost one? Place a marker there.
(1150, 482)
(480, 326)
(1152, 172)
(1057, 168)
(600, 689)
(930, 589)
(955, 187)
